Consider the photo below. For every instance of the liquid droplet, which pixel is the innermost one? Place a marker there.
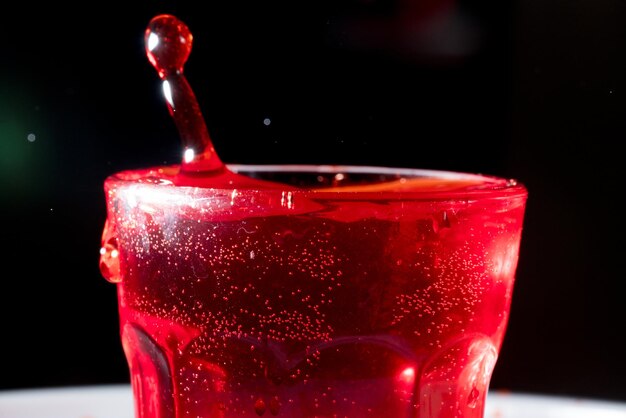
(168, 44)
(259, 406)
(109, 256)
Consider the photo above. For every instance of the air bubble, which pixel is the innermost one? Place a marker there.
(259, 406)
(472, 398)
(274, 406)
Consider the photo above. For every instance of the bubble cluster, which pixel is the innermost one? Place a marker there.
(456, 284)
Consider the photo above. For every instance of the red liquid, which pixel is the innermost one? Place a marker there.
(387, 302)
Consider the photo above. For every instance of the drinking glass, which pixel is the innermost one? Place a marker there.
(312, 291)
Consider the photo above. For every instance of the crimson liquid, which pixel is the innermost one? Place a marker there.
(312, 291)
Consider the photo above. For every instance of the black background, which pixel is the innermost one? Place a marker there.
(534, 90)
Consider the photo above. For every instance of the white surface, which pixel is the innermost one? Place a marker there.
(115, 401)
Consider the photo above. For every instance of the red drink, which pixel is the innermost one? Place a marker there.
(326, 292)
(301, 291)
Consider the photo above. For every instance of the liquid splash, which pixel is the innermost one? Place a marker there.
(168, 45)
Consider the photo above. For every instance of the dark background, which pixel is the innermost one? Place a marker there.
(534, 90)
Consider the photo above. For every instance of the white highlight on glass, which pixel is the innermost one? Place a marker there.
(167, 92)
(407, 375)
(286, 199)
(189, 155)
(153, 41)
(233, 195)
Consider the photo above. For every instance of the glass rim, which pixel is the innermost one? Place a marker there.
(487, 186)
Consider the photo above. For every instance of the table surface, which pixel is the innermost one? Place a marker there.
(115, 401)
